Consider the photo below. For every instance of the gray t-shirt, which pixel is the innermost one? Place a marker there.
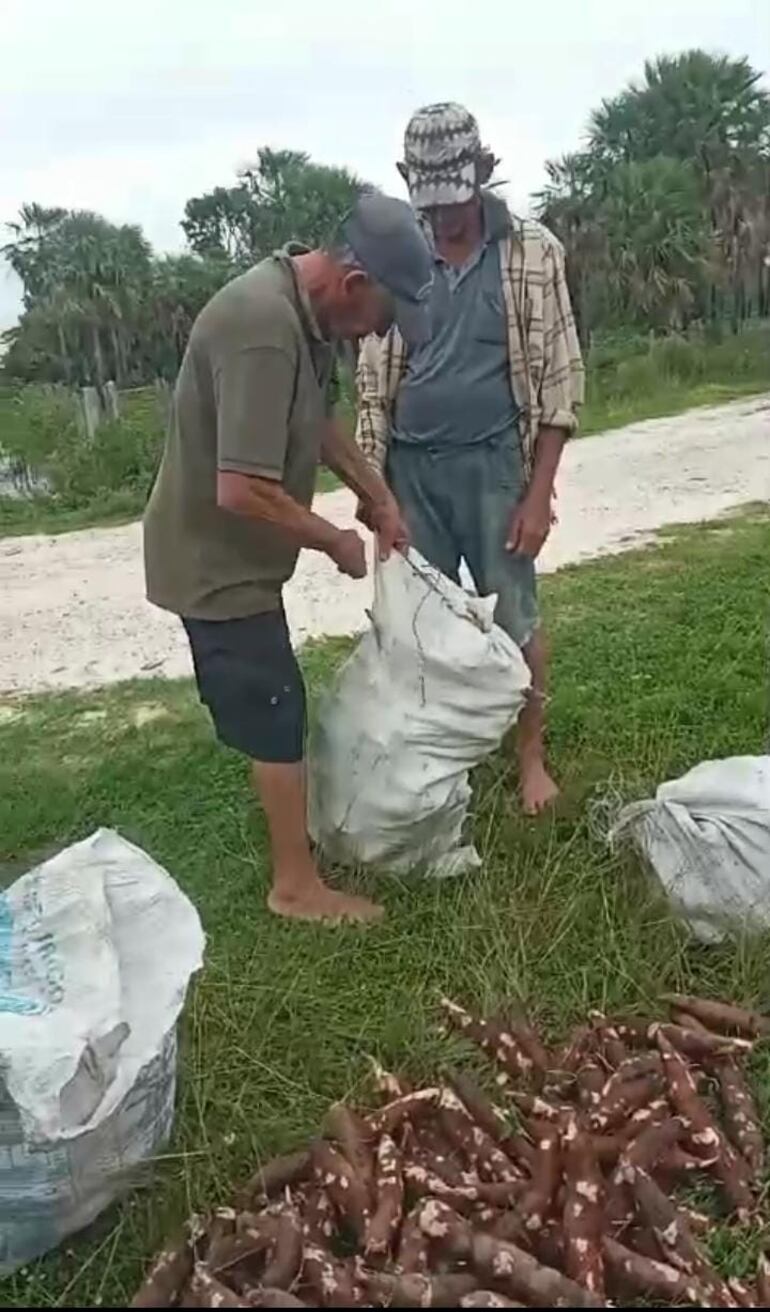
(250, 398)
(457, 387)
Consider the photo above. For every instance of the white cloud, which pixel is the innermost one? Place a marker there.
(132, 114)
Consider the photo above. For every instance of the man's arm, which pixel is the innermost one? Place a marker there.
(550, 444)
(377, 505)
(265, 500)
(531, 520)
(341, 455)
(254, 389)
(563, 383)
(561, 395)
(372, 419)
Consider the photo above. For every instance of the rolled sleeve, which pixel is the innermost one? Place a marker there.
(563, 376)
(254, 392)
(566, 419)
(372, 421)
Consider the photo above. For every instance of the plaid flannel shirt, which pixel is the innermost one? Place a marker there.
(546, 367)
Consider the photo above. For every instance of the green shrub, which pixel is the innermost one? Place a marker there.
(679, 358)
(744, 355)
(630, 377)
(122, 457)
(35, 426)
(624, 367)
(41, 434)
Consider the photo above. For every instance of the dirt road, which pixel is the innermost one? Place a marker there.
(73, 614)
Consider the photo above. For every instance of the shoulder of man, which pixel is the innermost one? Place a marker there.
(536, 236)
(253, 310)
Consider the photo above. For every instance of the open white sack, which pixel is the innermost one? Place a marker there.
(429, 691)
(707, 837)
(97, 946)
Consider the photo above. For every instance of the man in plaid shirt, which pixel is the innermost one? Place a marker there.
(470, 427)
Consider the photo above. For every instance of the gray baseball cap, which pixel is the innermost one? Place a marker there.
(389, 244)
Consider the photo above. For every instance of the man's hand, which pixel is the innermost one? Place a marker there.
(348, 553)
(530, 525)
(377, 508)
(384, 518)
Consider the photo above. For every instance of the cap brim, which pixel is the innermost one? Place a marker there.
(413, 321)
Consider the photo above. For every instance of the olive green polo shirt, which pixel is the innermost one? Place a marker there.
(250, 398)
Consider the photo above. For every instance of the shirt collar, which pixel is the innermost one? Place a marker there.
(498, 222)
(497, 217)
(304, 304)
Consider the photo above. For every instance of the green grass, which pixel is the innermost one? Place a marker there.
(602, 414)
(659, 661)
(630, 377)
(21, 517)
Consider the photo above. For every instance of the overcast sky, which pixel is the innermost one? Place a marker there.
(131, 109)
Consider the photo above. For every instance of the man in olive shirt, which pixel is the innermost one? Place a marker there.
(230, 509)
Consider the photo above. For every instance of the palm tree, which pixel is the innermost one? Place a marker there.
(569, 205)
(711, 112)
(86, 277)
(107, 268)
(659, 250)
(695, 133)
(636, 237)
(31, 232)
(697, 107)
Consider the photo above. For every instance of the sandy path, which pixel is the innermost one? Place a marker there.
(73, 614)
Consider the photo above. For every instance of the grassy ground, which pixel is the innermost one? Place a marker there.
(604, 413)
(659, 661)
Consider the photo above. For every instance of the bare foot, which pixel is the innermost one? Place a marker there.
(538, 790)
(317, 902)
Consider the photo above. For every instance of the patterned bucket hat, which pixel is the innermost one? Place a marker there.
(441, 150)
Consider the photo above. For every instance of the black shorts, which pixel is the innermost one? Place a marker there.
(249, 679)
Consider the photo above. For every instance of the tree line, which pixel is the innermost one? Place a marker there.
(99, 304)
(664, 215)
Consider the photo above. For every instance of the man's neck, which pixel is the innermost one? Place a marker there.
(457, 247)
(312, 273)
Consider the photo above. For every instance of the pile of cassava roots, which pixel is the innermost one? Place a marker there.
(572, 1186)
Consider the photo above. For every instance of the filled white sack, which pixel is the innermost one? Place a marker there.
(429, 691)
(97, 946)
(707, 837)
